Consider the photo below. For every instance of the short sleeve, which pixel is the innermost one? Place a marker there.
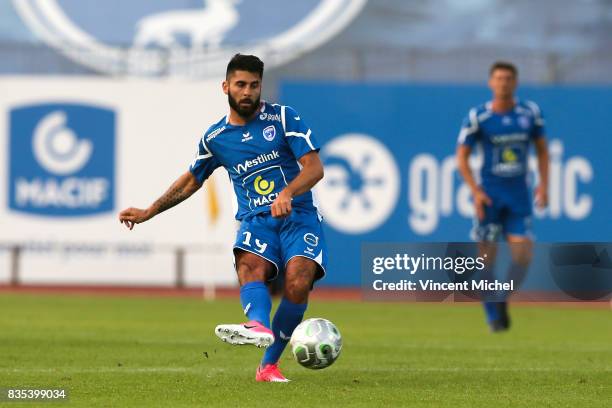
(297, 133)
(470, 131)
(538, 120)
(204, 162)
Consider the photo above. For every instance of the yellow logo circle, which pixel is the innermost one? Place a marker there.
(262, 186)
(508, 155)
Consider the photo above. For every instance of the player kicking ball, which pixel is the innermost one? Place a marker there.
(273, 162)
(504, 127)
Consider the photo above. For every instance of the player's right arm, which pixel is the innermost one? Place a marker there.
(463, 164)
(467, 139)
(180, 190)
(188, 183)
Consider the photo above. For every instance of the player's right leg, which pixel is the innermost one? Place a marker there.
(256, 254)
(253, 271)
(494, 308)
(518, 235)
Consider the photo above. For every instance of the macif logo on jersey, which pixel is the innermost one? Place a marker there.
(62, 159)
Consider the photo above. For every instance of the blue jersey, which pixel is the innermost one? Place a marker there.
(505, 139)
(261, 156)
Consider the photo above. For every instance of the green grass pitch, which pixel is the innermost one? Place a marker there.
(161, 352)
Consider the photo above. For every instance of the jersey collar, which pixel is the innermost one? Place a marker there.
(489, 107)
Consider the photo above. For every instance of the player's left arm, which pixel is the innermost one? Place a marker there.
(305, 148)
(541, 194)
(311, 173)
(541, 148)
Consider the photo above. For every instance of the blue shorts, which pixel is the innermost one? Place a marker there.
(279, 239)
(509, 214)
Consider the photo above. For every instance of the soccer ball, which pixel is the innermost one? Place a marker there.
(316, 343)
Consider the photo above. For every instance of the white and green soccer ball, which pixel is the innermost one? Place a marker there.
(316, 343)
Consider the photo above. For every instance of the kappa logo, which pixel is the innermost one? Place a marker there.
(194, 39)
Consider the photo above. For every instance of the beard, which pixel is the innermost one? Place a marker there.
(244, 112)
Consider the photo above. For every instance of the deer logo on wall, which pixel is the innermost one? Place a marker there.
(206, 28)
(151, 38)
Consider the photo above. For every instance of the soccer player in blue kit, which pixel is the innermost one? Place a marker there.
(504, 127)
(273, 163)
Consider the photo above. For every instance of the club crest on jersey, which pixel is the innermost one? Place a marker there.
(182, 38)
(269, 133)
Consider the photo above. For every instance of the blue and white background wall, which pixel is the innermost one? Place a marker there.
(76, 151)
(391, 173)
(102, 103)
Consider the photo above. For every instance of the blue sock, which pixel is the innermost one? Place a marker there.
(287, 317)
(491, 311)
(256, 302)
(517, 273)
(489, 300)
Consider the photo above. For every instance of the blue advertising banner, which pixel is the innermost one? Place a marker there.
(390, 171)
(62, 159)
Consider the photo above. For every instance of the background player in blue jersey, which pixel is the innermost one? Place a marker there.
(272, 159)
(504, 127)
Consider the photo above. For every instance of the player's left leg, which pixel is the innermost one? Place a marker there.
(305, 255)
(517, 228)
(299, 277)
(521, 248)
(300, 274)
